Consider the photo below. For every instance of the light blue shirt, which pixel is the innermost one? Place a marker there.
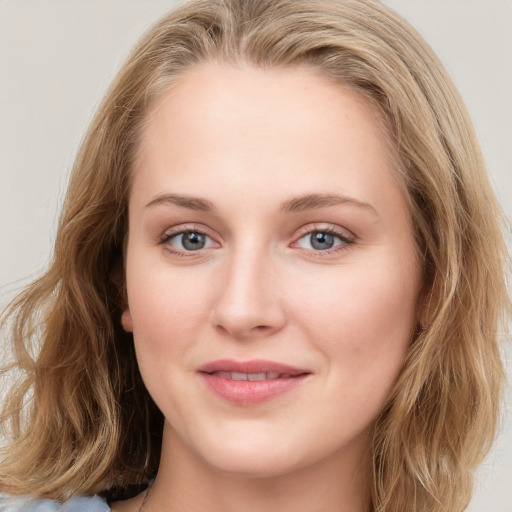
(74, 504)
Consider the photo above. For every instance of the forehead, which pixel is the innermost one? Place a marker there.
(210, 91)
(246, 126)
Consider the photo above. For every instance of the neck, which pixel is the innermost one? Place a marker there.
(187, 482)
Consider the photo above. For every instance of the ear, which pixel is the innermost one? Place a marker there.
(126, 320)
(118, 281)
(427, 304)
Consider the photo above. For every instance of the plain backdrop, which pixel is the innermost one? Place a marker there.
(58, 56)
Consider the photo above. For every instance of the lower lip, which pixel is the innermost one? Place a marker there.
(247, 392)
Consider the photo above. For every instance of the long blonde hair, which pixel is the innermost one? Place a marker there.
(79, 417)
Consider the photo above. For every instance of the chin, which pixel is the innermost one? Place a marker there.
(254, 459)
(255, 467)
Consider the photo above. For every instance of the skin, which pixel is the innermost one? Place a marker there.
(250, 141)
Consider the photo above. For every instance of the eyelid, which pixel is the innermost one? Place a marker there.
(346, 237)
(343, 233)
(185, 228)
(180, 229)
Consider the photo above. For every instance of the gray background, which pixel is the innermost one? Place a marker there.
(58, 56)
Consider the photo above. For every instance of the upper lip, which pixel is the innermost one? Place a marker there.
(253, 366)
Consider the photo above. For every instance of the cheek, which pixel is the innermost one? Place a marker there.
(166, 310)
(362, 319)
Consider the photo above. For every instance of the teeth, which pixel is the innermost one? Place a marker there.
(251, 376)
(257, 376)
(226, 375)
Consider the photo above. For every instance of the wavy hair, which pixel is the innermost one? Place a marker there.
(79, 417)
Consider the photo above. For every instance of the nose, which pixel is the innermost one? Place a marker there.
(249, 303)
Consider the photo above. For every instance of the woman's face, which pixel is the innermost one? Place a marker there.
(267, 228)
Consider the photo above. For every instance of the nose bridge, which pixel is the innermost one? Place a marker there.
(248, 299)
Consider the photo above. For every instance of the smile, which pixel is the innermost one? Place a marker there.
(250, 382)
(252, 376)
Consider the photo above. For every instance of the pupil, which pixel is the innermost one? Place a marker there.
(322, 241)
(193, 241)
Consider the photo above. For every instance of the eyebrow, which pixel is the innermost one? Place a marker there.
(293, 205)
(192, 203)
(313, 201)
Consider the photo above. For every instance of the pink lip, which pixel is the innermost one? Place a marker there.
(254, 366)
(245, 392)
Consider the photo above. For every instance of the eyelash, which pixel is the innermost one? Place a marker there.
(184, 254)
(346, 241)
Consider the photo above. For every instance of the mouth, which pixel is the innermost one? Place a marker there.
(259, 367)
(253, 376)
(251, 382)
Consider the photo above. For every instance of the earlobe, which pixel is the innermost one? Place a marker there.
(424, 315)
(126, 320)
(427, 305)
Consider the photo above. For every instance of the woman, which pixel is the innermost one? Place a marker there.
(278, 278)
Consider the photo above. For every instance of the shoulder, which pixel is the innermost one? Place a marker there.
(29, 504)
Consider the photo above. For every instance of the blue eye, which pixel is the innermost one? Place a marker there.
(190, 241)
(323, 240)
